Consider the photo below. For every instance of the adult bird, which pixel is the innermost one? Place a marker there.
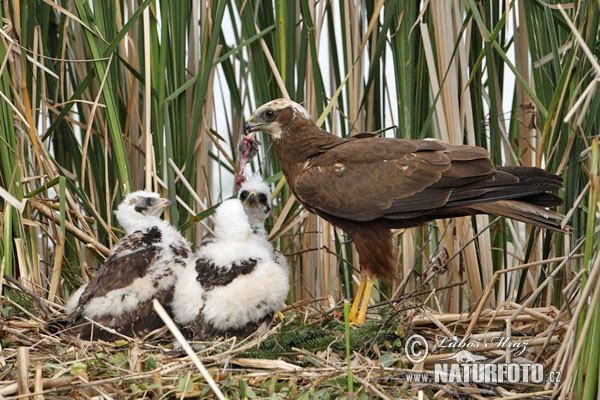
(235, 284)
(142, 267)
(368, 185)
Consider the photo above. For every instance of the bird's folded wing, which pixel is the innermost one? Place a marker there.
(367, 178)
(129, 262)
(210, 275)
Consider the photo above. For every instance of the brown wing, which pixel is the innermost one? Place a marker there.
(371, 177)
(130, 261)
(209, 275)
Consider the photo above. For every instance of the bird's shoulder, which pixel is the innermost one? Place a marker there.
(367, 148)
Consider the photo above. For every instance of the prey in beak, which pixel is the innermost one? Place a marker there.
(247, 149)
(249, 127)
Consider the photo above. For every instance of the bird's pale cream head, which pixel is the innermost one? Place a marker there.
(271, 116)
(139, 205)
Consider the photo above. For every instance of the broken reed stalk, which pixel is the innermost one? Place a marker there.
(38, 385)
(23, 370)
(489, 288)
(38, 299)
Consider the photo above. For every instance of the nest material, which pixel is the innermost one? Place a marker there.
(304, 355)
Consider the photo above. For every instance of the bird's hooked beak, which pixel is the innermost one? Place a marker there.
(163, 203)
(251, 125)
(252, 197)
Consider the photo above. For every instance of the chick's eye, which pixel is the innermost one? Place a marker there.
(262, 198)
(269, 114)
(243, 195)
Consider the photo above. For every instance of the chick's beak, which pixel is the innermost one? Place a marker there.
(163, 203)
(252, 197)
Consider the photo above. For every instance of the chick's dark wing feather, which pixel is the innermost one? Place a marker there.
(129, 262)
(210, 275)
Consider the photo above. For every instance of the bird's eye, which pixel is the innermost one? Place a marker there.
(270, 115)
(243, 195)
(262, 198)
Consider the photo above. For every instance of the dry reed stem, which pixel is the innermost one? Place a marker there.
(84, 237)
(187, 185)
(547, 281)
(23, 370)
(41, 302)
(282, 217)
(162, 313)
(488, 290)
(574, 356)
(326, 365)
(88, 129)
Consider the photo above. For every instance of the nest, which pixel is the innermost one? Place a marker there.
(303, 356)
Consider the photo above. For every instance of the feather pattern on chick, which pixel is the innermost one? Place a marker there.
(143, 266)
(234, 286)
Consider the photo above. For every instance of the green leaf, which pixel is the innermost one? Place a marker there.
(77, 366)
(154, 385)
(118, 360)
(185, 384)
(245, 390)
(150, 363)
(387, 359)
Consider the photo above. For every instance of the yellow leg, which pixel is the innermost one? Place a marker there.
(358, 312)
(356, 303)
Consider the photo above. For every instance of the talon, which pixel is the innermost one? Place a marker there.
(278, 316)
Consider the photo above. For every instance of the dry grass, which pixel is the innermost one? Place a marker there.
(301, 357)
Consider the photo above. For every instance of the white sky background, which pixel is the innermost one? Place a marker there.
(223, 182)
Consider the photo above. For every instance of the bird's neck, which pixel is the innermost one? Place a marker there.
(259, 230)
(136, 222)
(300, 142)
(256, 218)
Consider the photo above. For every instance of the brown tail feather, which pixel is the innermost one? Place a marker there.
(522, 211)
(528, 184)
